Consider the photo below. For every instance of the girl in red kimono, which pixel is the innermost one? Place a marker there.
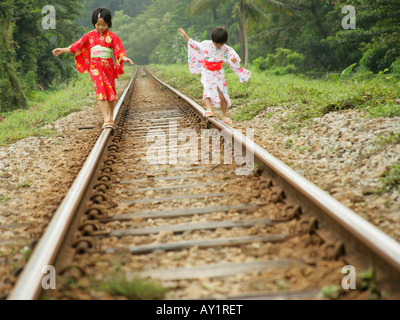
(93, 54)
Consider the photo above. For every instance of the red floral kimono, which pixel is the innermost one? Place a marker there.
(93, 53)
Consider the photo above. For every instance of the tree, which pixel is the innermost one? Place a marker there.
(26, 61)
(129, 7)
(311, 32)
(377, 34)
(10, 85)
(148, 32)
(253, 9)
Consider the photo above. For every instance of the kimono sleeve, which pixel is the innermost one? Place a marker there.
(195, 56)
(243, 74)
(81, 51)
(119, 52)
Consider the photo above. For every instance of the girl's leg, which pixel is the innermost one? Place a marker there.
(111, 107)
(208, 104)
(104, 109)
(224, 105)
(207, 101)
(107, 109)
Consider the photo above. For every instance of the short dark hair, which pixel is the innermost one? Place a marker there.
(102, 13)
(219, 35)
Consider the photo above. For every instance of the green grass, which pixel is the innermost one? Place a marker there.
(4, 199)
(46, 107)
(135, 289)
(392, 138)
(25, 184)
(391, 179)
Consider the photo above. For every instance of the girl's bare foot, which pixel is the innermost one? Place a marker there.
(226, 120)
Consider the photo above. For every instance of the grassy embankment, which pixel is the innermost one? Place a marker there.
(45, 107)
(304, 98)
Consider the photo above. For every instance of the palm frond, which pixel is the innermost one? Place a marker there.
(198, 6)
(274, 6)
(255, 12)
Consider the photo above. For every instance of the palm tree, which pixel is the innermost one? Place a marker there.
(254, 8)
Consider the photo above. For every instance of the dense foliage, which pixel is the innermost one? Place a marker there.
(311, 39)
(27, 64)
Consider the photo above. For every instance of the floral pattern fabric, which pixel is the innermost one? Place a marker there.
(102, 71)
(198, 52)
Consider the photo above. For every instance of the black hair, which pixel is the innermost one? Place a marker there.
(102, 13)
(219, 35)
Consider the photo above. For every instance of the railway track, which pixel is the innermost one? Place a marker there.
(198, 208)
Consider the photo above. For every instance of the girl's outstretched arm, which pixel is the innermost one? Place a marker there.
(183, 34)
(58, 51)
(126, 59)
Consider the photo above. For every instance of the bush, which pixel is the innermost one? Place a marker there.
(283, 61)
(395, 67)
(374, 59)
(283, 70)
(260, 63)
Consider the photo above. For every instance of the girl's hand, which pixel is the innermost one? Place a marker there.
(126, 59)
(58, 51)
(183, 34)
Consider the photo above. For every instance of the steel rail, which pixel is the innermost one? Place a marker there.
(351, 225)
(29, 283)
